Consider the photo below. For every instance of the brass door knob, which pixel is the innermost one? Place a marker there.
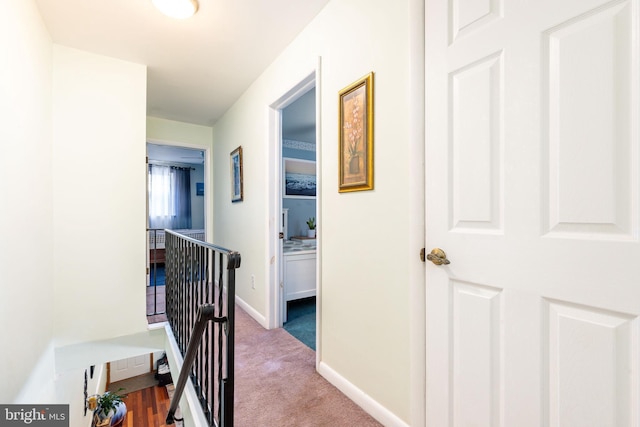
(438, 257)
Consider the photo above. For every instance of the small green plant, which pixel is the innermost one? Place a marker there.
(109, 401)
(311, 222)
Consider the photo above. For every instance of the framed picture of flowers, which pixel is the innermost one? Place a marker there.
(237, 184)
(355, 162)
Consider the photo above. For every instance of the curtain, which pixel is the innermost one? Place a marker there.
(169, 197)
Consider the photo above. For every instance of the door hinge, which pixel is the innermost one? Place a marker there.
(423, 256)
(147, 271)
(281, 235)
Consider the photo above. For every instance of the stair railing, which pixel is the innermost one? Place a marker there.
(200, 294)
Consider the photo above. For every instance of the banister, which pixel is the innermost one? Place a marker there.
(206, 313)
(197, 295)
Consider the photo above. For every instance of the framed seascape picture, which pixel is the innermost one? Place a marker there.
(355, 163)
(236, 175)
(299, 178)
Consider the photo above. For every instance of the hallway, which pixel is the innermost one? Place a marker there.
(277, 384)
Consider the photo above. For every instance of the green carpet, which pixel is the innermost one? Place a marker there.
(133, 384)
(301, 323)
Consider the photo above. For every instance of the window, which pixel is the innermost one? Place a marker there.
(169, 197)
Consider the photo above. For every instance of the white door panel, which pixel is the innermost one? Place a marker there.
(129, 368)
(532, 191)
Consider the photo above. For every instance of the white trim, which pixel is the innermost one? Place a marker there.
(252, 312)
(155, 326)
(189, 398)
(272, 290)
(298, 145)
(208, 184)
(366, 402)
(417, 240)
(319, 228)
(273, 293)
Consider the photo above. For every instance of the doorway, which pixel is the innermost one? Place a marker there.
(299, 218)
(294, 278)
(176, 201)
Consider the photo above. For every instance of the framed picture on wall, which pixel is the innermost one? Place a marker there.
(236, 175)
(355, 151)
(299, 178)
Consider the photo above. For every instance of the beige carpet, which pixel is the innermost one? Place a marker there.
(276, 384)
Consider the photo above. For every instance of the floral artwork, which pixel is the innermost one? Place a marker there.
(354, 131)
(356, 136)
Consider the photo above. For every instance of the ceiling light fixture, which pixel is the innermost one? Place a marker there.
(179, 9)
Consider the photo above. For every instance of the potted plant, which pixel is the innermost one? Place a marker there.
(107, 407)
(311, 223)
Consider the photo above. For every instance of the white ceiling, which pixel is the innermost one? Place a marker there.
(197, 67)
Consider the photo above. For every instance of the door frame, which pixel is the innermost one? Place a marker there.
(417, 239)
(208, 199)
(274, 292)
(208, 194)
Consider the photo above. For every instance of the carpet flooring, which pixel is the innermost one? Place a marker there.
(130, 385)
(277, 385)
(156, 275)
(301, 320)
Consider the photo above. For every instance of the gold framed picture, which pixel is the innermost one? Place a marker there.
(237, 190)
(355, 152)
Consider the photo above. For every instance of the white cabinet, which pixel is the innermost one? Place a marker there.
(299, 275)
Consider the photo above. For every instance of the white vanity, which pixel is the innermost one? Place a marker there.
(299, 269)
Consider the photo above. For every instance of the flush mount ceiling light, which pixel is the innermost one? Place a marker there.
(179, 9)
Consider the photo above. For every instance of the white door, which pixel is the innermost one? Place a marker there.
(129, 368)
(532, 192)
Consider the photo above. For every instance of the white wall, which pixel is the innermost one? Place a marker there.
(59, 108)
(179, 133)
(70, 390)
(26, 285)
(197, 202)
(99, 209)
(365, 237)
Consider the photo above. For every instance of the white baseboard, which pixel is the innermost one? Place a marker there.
(252, 312)
(366, 402)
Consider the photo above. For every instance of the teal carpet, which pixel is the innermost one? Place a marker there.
(160, 273)
(156, 275)
(301, 321)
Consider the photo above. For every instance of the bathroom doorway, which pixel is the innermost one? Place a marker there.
(299, 207)
(293, 296)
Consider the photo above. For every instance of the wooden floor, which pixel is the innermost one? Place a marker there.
(155, 299)
(147, 408)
